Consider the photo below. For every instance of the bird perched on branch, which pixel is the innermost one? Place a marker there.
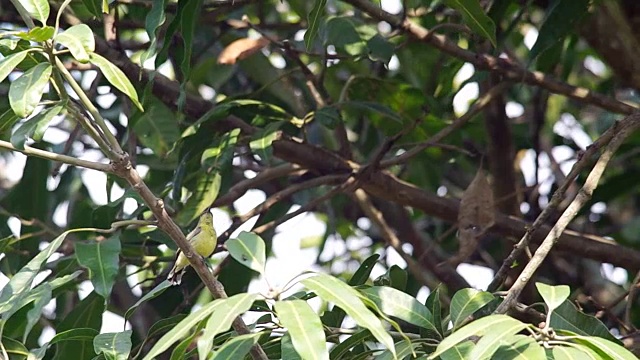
(203, 239)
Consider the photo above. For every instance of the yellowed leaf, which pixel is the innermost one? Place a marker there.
(241, 49)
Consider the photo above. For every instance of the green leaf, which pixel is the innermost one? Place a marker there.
(573, 353)
(26, 91)
(114, 346)
(237, 347)
(606, 348)
(465, 302)
(23, 280)
(10, 62)
(328, 116)
(487, 325)
(14, 348)
(116, 77)
(221, 320)
(553, 296)
(42, 297)
(347, 298)
(404, 348)
(37, 9)
(79, 40)
(287, 350)
(87, 314)
(154, 19)
(380, 49)
(373, 107)
(341, 31)
(102, 260)
(38, 34)
(74, 334)
(94, 7)
(249, 250)
(35, 127)
(518, 347)
(557, 24)
(475, 18)
(435, 307)
(305, 328)
(148, 296)
(157, 128)
(462, 351)
(399, 304)
(361, 275)
(567, 317)
(314, 19)
(186, 325)
(343, 347)
(491, 341)
(205, 192)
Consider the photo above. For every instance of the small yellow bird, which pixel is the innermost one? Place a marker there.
(203, 239)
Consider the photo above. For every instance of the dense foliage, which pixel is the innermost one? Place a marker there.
(424, 137)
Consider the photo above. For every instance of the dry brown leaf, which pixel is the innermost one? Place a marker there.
(241, 49)
(476, 216)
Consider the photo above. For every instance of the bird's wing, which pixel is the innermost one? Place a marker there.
(193, 233)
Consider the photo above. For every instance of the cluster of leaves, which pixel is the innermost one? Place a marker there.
(189, 169)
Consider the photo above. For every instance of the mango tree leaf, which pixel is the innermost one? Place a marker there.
(237, 347)
(579, 352)
(347, 298)
(341, 349)
(399, 304)
(157, 128)
(607, 349)
(94, 7)
(116, 77)
(10, 62)
(491, 341)
(249, 250)
(553, 296)
(435, 307)
(518, 347)
(23, 280)
(79, 40)
(14, 348)
(26, 91)
(475, 18)
(461, 351)
(155, 18)
(148, 296)
(37, 9)
(42, 297)
(373, 107)
(37, 34)
(557, 25)
(287, 350)
(205, 192)
(35, 127)
(480, 327)
(465, 302)
(87, 314)
(221, 320)
(115, 346)
(404, 348)
(567, 317)
(314, 20)
(102, 260)
(305, 328)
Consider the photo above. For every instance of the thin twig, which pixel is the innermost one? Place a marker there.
(43, 154)
(390, 237)
(621, 132)
(483, 101)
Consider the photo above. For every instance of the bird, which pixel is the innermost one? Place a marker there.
(203, 239)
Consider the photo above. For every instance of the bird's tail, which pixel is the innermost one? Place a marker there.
(175, 276)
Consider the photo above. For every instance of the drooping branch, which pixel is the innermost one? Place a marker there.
(502, 66)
